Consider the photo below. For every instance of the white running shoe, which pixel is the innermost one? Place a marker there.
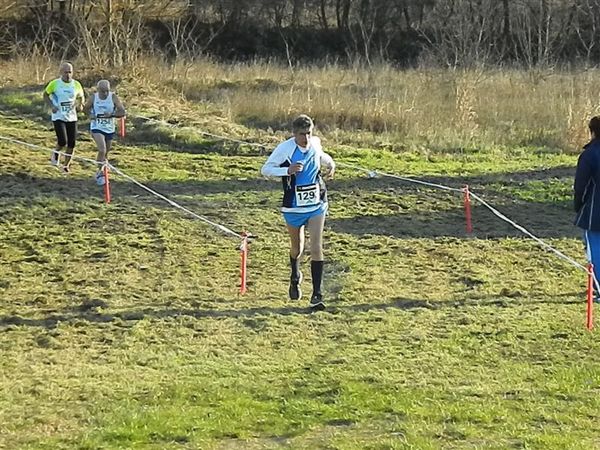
(54, 159)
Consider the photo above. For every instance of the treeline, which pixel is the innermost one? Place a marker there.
(454, 33)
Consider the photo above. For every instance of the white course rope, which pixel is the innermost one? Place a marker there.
(528, 233)
(222, 228)
(373, 173)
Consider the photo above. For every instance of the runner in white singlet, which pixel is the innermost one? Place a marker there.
(103, 107)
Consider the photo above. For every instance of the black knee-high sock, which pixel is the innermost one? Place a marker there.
(294, 266)
(316, 270)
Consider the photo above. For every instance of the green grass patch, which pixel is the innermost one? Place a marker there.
(121, 325)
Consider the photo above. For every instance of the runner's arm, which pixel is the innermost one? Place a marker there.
(87, 108)
(119, 108)
(47, 99)
(79, 97)
(272, 168)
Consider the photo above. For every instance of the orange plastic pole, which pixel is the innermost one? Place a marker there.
(122, 126)
(590, 298)
(106, 184)
(244, 253)
(467, 201)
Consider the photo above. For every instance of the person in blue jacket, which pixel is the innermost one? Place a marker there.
(587, 196)
(298, 162)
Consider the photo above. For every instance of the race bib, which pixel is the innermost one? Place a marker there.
(66, 106)
(104, 120)
(308, 195)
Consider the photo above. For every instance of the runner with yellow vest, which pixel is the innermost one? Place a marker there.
(103, 107)
(65, 97)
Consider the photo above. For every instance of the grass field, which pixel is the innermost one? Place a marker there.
(121, 325)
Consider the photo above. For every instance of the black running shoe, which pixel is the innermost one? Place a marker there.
(316, 302)
(295, 291)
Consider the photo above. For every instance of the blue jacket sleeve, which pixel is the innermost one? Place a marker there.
(583, 174)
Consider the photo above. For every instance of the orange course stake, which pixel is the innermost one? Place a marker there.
(122, 126)
(244, 253)
(106, 183)
(590, 298)
(467, 201)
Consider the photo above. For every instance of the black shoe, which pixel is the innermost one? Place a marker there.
(316, 302)
(295, 291)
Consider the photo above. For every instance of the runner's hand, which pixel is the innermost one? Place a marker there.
(295, 168)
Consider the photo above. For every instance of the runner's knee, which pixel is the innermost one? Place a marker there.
(316, 252)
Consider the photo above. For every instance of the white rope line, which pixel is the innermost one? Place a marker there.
(370, 172)
(205, 133)
(491, 208)
(528, 233)
(538, 240)
(373, 173)
(223, 228)
(39, 147)
(134, 181)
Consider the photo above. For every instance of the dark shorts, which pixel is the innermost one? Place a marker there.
(66, 132)
(107, 136)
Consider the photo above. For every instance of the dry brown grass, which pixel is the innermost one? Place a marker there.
(425, 108)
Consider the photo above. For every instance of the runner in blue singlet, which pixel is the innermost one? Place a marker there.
(298, 162)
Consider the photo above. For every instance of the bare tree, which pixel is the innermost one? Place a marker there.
(462, 33)
(586, 25)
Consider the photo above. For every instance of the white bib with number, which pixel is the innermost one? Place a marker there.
(308, 195)
(66, 107)
(103, 107)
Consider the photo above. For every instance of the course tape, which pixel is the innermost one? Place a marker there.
(372, 173)
(220, 227)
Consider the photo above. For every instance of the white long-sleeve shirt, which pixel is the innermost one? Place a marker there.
(303, 191)
(283, 152)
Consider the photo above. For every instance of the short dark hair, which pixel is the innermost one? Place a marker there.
(302, 122)
(595, 126)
